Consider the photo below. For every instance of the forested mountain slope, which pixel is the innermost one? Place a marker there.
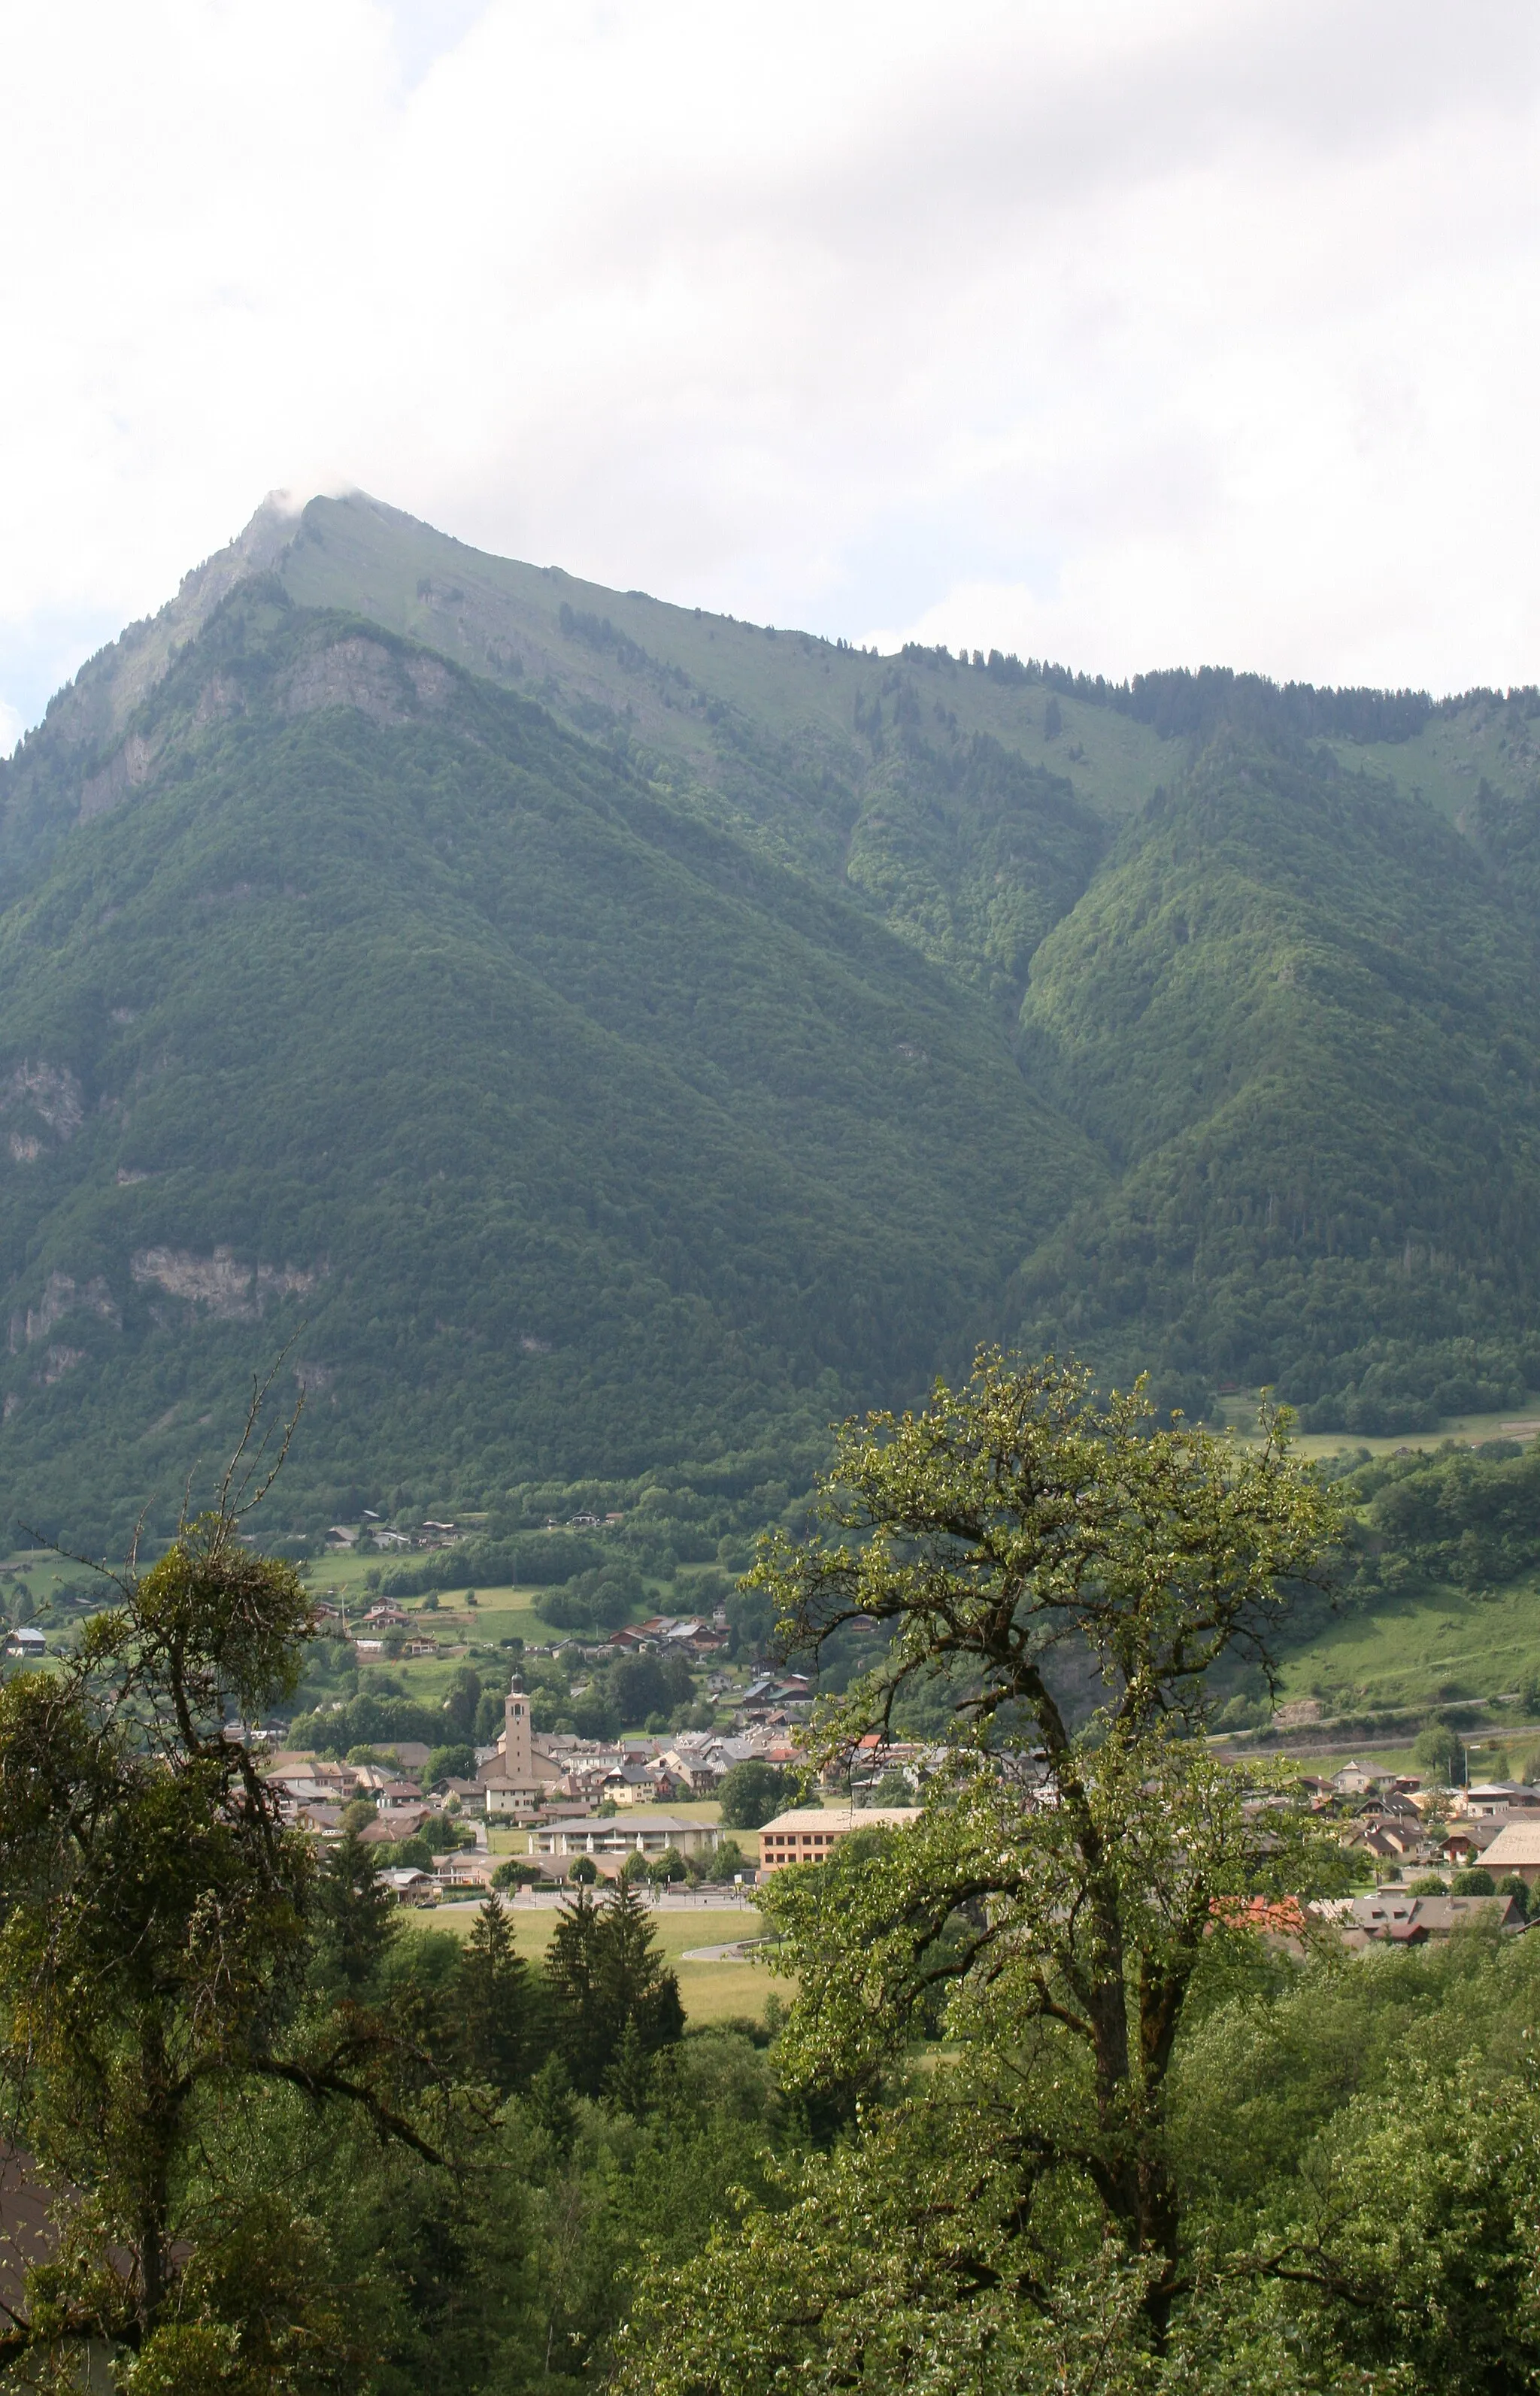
(1297, 1012)
(577, 1136)
(622, 1037)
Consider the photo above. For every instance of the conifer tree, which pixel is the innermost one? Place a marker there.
(498, 2029)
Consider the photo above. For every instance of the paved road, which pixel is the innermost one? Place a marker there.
(530, 1900)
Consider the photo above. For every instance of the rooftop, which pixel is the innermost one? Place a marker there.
(843, 1817)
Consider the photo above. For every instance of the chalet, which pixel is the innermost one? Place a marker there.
(409, 1886)
(1466, 1843)
(411, 1754)
(466, 1868)
(404, 1823)
(1362, 1779)
(640, 1784)
(1385, 1844)
(694, 1774)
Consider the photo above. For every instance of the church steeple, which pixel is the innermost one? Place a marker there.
(518, 1746)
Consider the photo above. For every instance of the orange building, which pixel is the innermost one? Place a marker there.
(807, 1838)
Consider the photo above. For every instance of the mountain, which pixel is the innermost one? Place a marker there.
(593, 1039)
(558, 1131)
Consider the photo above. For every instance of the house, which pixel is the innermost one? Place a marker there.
(621, 1834)
(26, 1641)
(632, 1638)
(403, 1823)
(1516, 1849)
(1411, 1921)
(807, 1837)
(1375, 1831)
(466, 1868)
(1467, 1843)
(397, 1794)
(387, 1617)
(410, 1754)
(694, 1774)
(1358, 1780)
(1389, 1807)
(1489, 1797)
(1372, 1839)
(409, 1886)
(640, 1784)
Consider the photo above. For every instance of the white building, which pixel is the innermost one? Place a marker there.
(633, 1832)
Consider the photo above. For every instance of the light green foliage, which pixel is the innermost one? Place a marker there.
(1053, 1918)
(752, 1792)
(1438, 1756)
(1357, 2146)
(154, 1919)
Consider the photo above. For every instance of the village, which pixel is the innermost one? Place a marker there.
(545, 1812)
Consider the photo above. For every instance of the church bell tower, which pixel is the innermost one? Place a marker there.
(518, 1748)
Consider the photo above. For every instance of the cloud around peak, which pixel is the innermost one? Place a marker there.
(1120, 335)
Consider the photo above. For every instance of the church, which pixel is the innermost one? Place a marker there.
(516, 1774)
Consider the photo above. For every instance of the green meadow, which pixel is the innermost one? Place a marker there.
(711, 1992)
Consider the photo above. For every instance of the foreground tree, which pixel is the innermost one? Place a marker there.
(154, 1929)
(610, 1987)
(501, 2026)
(1067, 1574)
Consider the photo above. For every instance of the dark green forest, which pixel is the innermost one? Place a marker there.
(599, 1045)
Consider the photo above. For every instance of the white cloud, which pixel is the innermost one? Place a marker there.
(1119, 335)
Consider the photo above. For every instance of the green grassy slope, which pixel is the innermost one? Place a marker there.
(1437, 1590)
(575, 1134)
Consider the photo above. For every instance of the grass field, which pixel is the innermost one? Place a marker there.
(710, 1992)
(1467, 1431)
(1438, 1646)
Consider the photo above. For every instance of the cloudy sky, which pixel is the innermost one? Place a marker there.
(1128, 335)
